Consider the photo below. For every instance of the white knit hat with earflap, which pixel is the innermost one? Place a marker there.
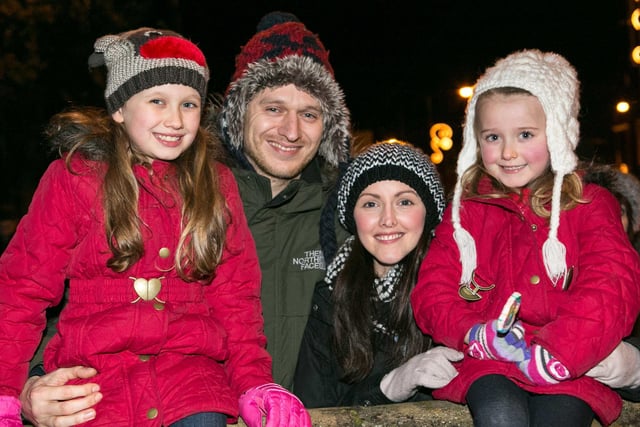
(551, 79)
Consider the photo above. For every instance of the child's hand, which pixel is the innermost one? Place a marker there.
(280, 407)
(486, 343)
(542, 368)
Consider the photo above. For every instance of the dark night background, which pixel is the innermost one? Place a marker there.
(400, 63)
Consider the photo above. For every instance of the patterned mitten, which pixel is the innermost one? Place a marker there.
(542, 368)
(486, 343)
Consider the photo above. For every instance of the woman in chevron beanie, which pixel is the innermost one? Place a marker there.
(361, 345)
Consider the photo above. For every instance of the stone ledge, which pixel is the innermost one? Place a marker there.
(424, 414)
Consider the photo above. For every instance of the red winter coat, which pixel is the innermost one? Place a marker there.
(579, 326)
(195, 347)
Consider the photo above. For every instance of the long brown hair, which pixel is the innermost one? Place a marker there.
(94, 135)
(353, 311)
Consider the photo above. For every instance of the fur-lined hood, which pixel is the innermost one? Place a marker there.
(618, 183)
(88, 131)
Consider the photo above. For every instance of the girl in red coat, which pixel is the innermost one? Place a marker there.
(147, 227)
(522, 220)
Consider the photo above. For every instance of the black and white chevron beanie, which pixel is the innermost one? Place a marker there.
(282, 52)
(395, 161)
(553, 80)
(146, 57)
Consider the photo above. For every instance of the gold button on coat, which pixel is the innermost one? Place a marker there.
(535, 279)
(152, 413)
(158, 306)
(144, 357)
(164, 252)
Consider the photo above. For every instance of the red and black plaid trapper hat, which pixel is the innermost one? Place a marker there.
(281, 34)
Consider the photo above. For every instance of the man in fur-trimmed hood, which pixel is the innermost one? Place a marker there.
(285, 123)
(284, 52)
(283, 209)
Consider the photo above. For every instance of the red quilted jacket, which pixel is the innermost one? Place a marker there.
(580, 325)
(193, 347)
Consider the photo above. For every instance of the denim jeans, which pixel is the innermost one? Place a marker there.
(202, 419)
(496, 401)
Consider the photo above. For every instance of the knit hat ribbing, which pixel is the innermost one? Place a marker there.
(391, 161)
(284, 52)
(550, 78)
(146, 57)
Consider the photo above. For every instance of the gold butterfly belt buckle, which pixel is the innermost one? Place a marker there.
(469, 291)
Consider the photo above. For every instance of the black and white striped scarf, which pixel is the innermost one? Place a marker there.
(385, 287)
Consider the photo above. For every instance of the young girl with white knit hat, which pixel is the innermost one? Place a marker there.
(522, 221)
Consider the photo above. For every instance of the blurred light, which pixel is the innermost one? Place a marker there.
(466, 92)
(635, 55)
(397, 141)
(635, 19)
(441, 134)
(624, 168)
(622, 107)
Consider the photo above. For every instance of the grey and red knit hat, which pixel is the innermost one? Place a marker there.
(553, 80)
(283, 52)
(146, 57)
(395, 161)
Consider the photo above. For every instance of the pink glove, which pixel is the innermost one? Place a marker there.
(280, 407)
(10, 412)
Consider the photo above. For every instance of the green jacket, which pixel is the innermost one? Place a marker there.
(286, 230)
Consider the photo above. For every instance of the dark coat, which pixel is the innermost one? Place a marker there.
(317, 379)
(286, 229)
